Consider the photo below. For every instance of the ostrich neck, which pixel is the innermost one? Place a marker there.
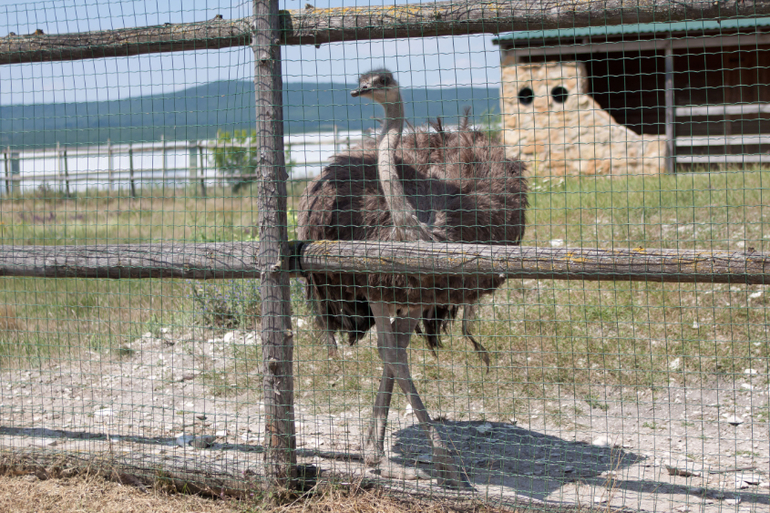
(401, 211)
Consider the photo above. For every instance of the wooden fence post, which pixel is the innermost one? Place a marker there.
(66, 174)
(192, 165)
(109, 164)
(7, 162)
(131, 171)
(277, 337)
(59, 167)
(201, 170)
(164, 160)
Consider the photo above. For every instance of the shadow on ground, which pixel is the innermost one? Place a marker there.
(498, 454)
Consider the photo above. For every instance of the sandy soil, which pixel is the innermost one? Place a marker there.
(155, 405)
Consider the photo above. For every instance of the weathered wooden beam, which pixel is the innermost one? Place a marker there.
(239, 260)
(317, 26)
(122, 261)
(640, 264)
(207, 35)
(280, 458)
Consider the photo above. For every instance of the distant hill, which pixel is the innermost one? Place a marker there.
(198, 112)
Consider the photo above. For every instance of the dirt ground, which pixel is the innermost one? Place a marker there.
(156, 408)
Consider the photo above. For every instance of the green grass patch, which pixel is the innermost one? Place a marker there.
(544, 337)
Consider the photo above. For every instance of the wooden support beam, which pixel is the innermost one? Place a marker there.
(318, 26)
(241, 260)
(207, 35)
(280, 458)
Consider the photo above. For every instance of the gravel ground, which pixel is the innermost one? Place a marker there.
(156, 405)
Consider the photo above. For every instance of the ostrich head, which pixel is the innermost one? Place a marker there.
(379, 85)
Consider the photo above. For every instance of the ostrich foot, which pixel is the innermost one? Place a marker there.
(372, 455)
(445, 467)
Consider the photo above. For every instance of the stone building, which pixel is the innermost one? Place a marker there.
(637, 99)
(550, 121)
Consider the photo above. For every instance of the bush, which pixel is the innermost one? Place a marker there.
(228, 304)
(236, 155)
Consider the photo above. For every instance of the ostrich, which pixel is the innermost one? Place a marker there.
(428, 184)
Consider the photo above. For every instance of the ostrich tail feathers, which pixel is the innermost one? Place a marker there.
(469, 315)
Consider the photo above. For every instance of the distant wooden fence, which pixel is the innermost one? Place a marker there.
(199, 168)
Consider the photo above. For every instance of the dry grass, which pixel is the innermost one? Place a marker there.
(28, 494)
(9, 321)
(86, 494)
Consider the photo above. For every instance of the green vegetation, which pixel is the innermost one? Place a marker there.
(584, 337)
(236, 155)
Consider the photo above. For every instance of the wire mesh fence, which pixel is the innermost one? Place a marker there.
(565, 378)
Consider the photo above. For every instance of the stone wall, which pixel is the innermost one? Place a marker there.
(550, 122)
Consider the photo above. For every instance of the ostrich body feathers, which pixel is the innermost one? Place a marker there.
(461, 186)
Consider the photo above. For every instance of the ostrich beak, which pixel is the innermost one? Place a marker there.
(358, 92)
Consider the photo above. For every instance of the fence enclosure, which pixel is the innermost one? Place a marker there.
(273, 259)
(160, 164)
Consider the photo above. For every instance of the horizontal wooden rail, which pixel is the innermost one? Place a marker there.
(317, 26)
(723, 140)
(743, 109)
(238, 260)
(723, 159)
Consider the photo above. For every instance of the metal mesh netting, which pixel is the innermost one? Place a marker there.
(613, 393)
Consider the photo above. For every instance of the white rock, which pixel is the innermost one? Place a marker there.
(602, 441)
(746, 386)
(251, 339)
(103, 412)
(675, 364)
(301, 323)
(733, 420)
(733, 501)
(695, 325)
(599, 500)
(750, 372)
(222, 433)
(147, 335)
(229, 337)
(557, 243)
(484, 428)
(756, 295)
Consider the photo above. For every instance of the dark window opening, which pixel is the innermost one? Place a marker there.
(559, 94)
(526, 96)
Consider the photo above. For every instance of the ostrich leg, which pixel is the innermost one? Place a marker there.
(375, 440)
(392, 348)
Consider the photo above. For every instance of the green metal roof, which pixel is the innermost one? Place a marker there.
(637, 28)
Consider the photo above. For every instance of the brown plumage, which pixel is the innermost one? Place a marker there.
(442, 186)
(477, 194)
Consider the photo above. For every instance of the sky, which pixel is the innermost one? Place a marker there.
(428, 62)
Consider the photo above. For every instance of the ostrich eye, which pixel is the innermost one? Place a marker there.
(559, 94)
(383, 81)
(526, 96)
